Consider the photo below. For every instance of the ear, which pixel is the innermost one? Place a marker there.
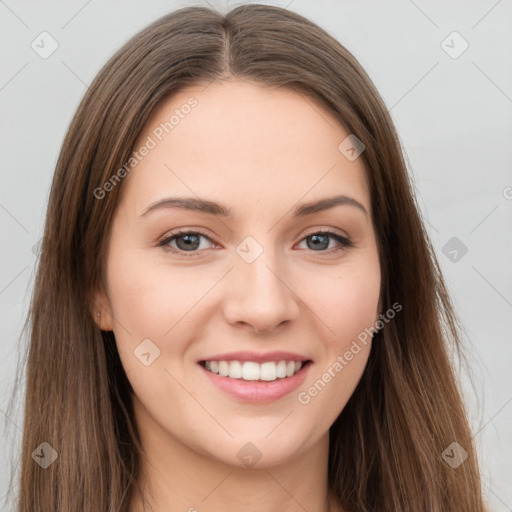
(379, 310)
(101, 310)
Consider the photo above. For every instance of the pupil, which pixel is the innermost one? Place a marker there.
(324, 244)
(188, 244)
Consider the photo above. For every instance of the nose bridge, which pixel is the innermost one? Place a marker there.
(258, 293)
(259, 266)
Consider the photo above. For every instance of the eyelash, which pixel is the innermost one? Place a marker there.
(343, 241)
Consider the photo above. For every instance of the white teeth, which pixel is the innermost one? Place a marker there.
(223, 368)
(281, 369)
(268, 371)
(235, 370)
(249, 370)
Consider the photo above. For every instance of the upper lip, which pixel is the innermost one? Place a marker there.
(257, 357)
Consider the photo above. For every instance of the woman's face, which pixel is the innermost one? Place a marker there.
(255, 282)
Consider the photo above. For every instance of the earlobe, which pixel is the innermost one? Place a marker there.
(103, 322)
(101, 310)
(378, 324)
(379, 310)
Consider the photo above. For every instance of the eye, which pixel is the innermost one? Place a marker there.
(186, 242)
(319, 241)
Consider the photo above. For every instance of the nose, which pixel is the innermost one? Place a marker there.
(260, 296)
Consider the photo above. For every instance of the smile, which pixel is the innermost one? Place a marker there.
(251, 370)
(253, 382)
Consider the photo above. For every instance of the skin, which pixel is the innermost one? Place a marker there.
(261, 152)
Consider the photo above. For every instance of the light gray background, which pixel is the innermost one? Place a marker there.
(453, 116)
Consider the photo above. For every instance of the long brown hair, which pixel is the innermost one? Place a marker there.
(386, 446)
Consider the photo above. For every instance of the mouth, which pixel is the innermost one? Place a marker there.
(253, 371)
(253, 382)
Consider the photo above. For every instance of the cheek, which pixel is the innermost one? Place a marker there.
(149, 297)
(348, 306)
(346, 301)
(355, 307)
(151, 301)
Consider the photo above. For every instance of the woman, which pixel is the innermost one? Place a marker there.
(237, 306)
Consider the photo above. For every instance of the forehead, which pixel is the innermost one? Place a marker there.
(244, 144)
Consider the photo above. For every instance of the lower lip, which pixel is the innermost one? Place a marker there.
(257, 391)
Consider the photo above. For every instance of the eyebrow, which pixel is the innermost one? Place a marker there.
(217, 209)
